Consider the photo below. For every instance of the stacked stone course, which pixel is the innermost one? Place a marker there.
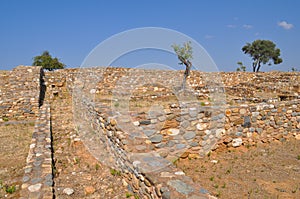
(20, 93)
(136, 142)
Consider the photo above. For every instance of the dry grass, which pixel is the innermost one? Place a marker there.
(14, 146)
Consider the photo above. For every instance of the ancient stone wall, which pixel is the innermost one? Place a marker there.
(20, 93)
(229, 109)
(144, 144)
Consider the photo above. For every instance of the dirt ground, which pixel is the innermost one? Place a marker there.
(266, 171)
(75, 167)
(13, 157)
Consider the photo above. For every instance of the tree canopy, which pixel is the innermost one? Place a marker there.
(262, 52)
(47, 62)
(184, 54)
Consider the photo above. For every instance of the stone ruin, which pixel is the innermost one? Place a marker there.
(140, 121)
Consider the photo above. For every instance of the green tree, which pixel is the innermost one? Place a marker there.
(241, 67)
(294, 69)
(184, 54)
(262, 52)
(47, 62)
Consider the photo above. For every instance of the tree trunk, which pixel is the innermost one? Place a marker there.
(258, 67)
(254, 66)
(188, 65)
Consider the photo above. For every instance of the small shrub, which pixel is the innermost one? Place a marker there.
(211, 178)
(5, 119)
(218, 194)
(97, 166)
(128, 195)
(116, 104)
(228, 171)
(136, 196)
(10, 189)
(298, 158)
(115, 172)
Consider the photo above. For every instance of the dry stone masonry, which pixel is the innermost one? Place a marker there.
(38, 178)
(20, 93)
(140, 122)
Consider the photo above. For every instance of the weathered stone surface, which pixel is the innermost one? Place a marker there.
(173, 131)
(68, 191)
(181, 187)
(156, 138)
(89, 190)
(237, 142)
(35, 187)
(189, 135)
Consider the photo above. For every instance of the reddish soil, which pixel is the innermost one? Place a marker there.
(266, 171)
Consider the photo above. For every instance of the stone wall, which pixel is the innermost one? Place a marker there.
(20, 93)
(143, 144)
(261, 107)
(37, 181)
(148, 174)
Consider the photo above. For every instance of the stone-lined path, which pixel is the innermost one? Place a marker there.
(38, 177)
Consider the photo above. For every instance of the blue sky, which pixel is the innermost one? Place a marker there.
(71, 29)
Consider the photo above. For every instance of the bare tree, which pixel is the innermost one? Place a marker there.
(184, 54)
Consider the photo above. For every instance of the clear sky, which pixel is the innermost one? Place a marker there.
(69, 29)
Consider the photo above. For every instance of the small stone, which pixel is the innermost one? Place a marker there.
(93, 91)
(136, 123)
(26, 178)
(149, 132)
(136, 163)
(156, 138)
(35, 187)
(201, 126)
(166, 174)
(189, 135)
(228, 112)
(145, 122)
(181, 187)
(161, 118)
(179, 173)
(140, 147)
(180, 146)
(247, 122)
(173, 131)
(297, 137)
(242, 111)
(89, 190)
(113, 122)
(125, 184)
(203, 191)
(68, 191)
(237, 142)
(184, 124)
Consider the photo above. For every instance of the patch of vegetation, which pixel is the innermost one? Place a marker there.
(97, 167)
(76, 160)
(117, 104)
(224, 185)
(228, 171)
(10, 189)
(5, 119)
(115, 172)
(298, 157)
